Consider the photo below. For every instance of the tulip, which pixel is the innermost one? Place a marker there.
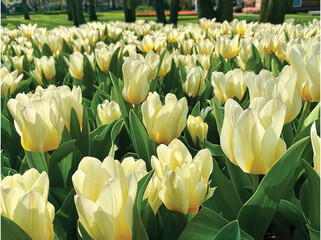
(283, 88)
(308, 81)
(136, 84)
(166, 65)
(195, 82)
(229, 85)
(24, 200)
(205, 23)
(205, 47)
(138, 167)
(105, 197)
(76, 68)
(108, 112)
(9, 80)
(184, 182)
(18, 63)
(173, 36)
(187, 46)
(226, 47)
(316, 145)
(241, 28)
(251, 138)
(27, 30)
(47, 65)
(147, 43)
(152, 60)
(164, 122)
(37, 74)
(37, 121)
(271, 42)
(197, 129)
(103, 58)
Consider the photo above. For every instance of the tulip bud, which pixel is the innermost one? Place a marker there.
(108, 112)
(105, 198)
(226, 47)
(316, 145)
(76, 68)
(147, 43)
(24, 200)
(229, 85)
(197, 129)
(251, 138)
(152, 60)
(166, 65)
(37, 121)
(164, 122)
(103, 58)
(9, 80)
(184, 181)
(195, 82)
(136, 84)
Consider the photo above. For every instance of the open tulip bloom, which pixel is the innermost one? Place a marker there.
(144, 130)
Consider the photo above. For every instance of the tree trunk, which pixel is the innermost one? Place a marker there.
(274, 11)
(113, 4)
(174, 11)
(77, 12)
(205, 9)
(80, 12)
(69, 10)
(129, 10)
(225, 10)
(25, 9)
(92, 13)
(160, 11)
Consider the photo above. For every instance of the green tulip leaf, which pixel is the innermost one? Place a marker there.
(10, 230)
(46, 50)
(82, 233)
(36, 160)
(231, 231)
(254, 62)
(224, 67)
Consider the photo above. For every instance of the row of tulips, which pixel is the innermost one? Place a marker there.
(215, 127)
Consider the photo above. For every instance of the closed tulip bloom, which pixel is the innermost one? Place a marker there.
(226, 47)
(47, 65)
(9, 80)
(76, 68)
(173, 36)
(152, 60)
(108, 112)
(147, 43)
(241, 28)
(18, 63)
(166, 65)
(308, 81)
(229, 85)
(130, 165)
(195, 82)
(283, 88)
(316, 145)
(37, 121)
(37, 74)
(251, 138)
(205, 47)
(184, 181)
(24, 200)
(164, 123)
(103, 58)
(136, 84)
(205, 23)
(105, 198)
(198, 129)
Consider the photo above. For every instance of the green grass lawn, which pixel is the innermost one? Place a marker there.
(54, 20)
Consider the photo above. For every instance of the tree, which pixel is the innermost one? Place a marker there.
(113, 4)
(160, 11)
(92, 9)
(273, 11)
(225, 10)
(25, 9)
(174, 11)
(129, 10)
(205, 9)
(77, 12)
(69, 10)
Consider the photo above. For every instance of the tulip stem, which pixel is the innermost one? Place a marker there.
(47, 157)
(303, 116)
(136, 110)
(255, 182)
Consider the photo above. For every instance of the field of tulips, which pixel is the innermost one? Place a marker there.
(150, 131)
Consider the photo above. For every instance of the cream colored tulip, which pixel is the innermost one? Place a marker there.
(308, 81)
(226, 47)
(105, 197)
(24, 200)
(251, 138)
(198, 129)
(164, 122)
(9, 80)
(241, 28)
(108, 112)
(183, 182)
(103, 58)
(136, 84)
(37, 74)
(205, 23)
(76, 65)
(173, 36)
(195, 82)
(187, 46)
(147, 43)
(152, 60)
(138, 167)
(37, 121)
(229, 85)
(47, 65)
(316, 145)
(166, 65)
(18, 63)
(27, 30)
(282, 88)
(205, 47)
